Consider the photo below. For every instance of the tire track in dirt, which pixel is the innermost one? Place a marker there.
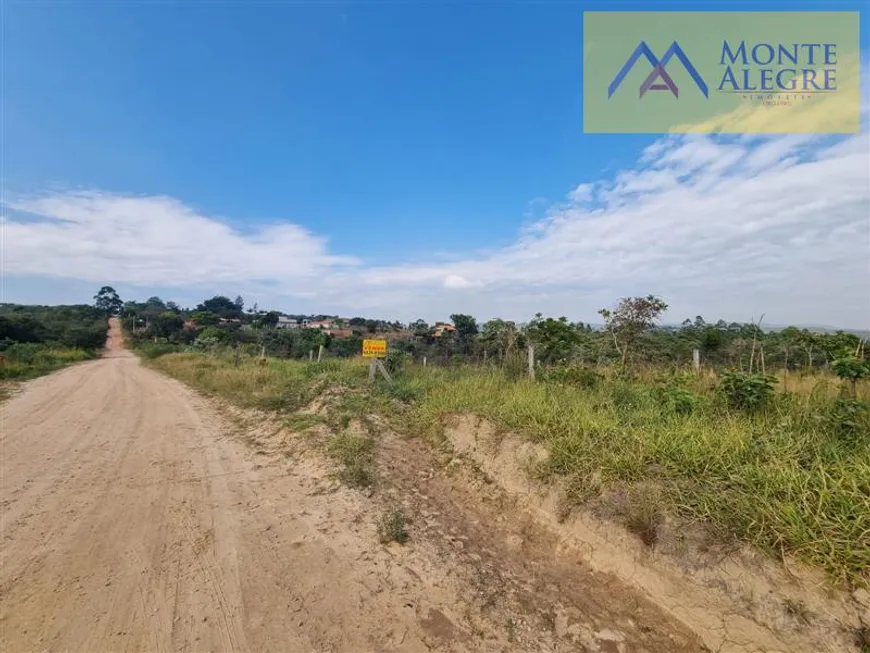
(132, 521)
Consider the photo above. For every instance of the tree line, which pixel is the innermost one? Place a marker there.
(631, 336)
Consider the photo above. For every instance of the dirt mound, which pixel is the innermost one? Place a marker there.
(735, 599)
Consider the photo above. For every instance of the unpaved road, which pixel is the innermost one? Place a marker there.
(134, 519)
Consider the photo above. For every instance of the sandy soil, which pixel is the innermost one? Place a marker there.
(137, 518)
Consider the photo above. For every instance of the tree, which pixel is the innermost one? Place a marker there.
(555, 340)
(107, 300)
(466, 329)
(808, 340)
(167, 324)
(631, 317)
(239, 303)
(267, 320)
(220, 306)
(419, 327)
(499, 336)
(204, 318)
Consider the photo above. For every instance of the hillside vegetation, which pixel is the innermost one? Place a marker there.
(39, 339)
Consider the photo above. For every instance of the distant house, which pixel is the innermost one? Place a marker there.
(320, 324)
(189, 324)
(441, 327)
(285, 322)
(340, 333)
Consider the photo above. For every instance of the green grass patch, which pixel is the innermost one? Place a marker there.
(791, 475)
(29, 360)
(356, 455)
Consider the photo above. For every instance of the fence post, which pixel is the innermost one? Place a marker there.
(319, 353)
(696, 359)
(532, 362)
(424, 361)
(310, 355)
(236, 356)
(372, 369)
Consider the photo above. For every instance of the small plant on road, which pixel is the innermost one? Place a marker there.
(392, 526)
(355, 453)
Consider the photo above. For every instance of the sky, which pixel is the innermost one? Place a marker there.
(397, 160)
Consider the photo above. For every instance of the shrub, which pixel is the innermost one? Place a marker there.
(849, 419)
(395, 361)
(851, 369)
(678, 400)
(579, 376)
(749, 392)
(392, 526)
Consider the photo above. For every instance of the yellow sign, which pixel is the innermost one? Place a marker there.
(374, 348)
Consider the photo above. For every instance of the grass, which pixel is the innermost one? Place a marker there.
(393, 526)
(26, 361)
(785, 479)
(355, 453)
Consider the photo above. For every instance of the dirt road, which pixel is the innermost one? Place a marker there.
(134, 519)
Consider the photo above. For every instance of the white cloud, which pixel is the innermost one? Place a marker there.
(724, 227)
(456, 281)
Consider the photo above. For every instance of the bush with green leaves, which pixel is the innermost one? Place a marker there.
(392, 526)
(579, 376)
(745, 391)
(395, 360)
(849, 419)
(678, 400)
(851, 369)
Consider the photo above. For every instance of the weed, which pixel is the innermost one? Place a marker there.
(678, 400)
(355, 454)
(301, 421)
(579, 376)
(749, 392)
(644, 519)
(849, 419)
(393, 526)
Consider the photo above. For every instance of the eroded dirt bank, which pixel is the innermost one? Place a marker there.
(136, 518)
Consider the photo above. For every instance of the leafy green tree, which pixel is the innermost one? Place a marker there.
(500, 337)
(555, 340)
(267, 320)
(809, 341)
(419, 327)
(167, 324)
(346, 347)
(466, 330)
(851, 369)
(221, 306)
(204, 318)
(107, 300)
(631, 318)
(214, 333)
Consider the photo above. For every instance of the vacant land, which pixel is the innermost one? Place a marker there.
(36, 340)
(136, 518)
(791, 478)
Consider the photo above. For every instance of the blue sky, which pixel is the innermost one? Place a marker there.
(379, 158)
